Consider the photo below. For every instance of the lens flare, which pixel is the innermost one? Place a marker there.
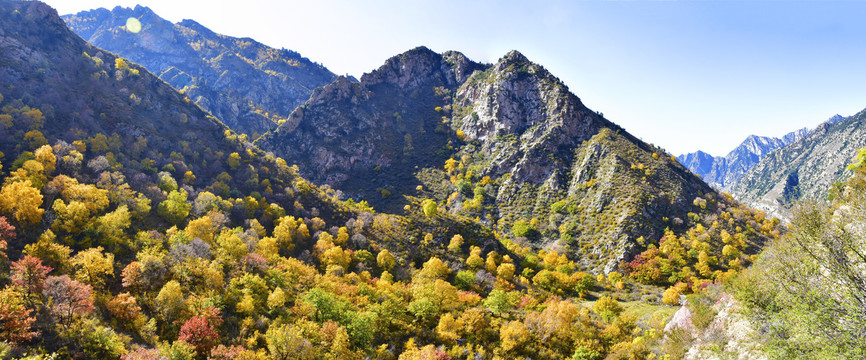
(133, 25)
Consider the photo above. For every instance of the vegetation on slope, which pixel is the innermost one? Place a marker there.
(506, 144)
(134, 225)
(807, 290)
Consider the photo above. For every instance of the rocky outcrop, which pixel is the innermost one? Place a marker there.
(354, 134)
(729, 335)
(249, 86)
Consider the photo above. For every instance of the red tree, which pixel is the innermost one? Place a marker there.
(198, 332)
(68, 298)
(30, 274)
(7, 232)
(131, 275)
(15, 322)
(234, 352)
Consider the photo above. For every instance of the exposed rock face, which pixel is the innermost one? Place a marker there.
(349, 128)
(728, 336)
(516, 97)
(805, 169)
(512, 121)
(247, 85)
(725, 172)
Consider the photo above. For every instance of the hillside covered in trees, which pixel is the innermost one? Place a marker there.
(136, 225)
(509, 145)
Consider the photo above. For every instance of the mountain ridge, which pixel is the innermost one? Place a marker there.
(724, 172)
(511, 143)
(248, 85)
(805, 169)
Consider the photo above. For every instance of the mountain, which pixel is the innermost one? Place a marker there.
(249, 86)
(135, 225)
(506, 143)
(102, 112)
(725, 172)
(804, 169)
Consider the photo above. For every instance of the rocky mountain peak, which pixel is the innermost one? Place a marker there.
(140, 10)
(517, 96)
(725, 172)
(197, 27)
(421, 65)
(836, 118)
(798, 134)
(46, 15)
(513, 57)
(803, 169)
(461, 66)
(404, 68)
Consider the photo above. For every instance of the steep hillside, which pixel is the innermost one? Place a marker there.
(506, 143)
(805, 169)
(103, 116)
(249, 86)
(134, 225)
(725, 172)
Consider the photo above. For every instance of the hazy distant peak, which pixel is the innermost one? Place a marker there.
(197, 27)
(836, 118)
(796, 135)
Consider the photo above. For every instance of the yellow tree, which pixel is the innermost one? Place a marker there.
(71, 217)
(455, 243)
(52, 254)
(385, 260)
(170, 300)
(285, 232)
(93, 267)
(429, 207)
(474, 261)
(112, 226)
(514, 336)
(22, 201)
(234, 160)
(45, 156)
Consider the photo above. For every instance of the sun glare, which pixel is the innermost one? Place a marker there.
(133, 25)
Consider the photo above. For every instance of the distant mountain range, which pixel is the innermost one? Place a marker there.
(247, 85)
(804, 169)
(725, 172)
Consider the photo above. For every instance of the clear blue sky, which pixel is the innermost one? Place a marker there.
(685, 75)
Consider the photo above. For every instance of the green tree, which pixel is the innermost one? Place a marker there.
(429, 207)
(175, 209)
(500, 301)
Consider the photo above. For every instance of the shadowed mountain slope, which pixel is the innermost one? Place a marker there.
(249, 86)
